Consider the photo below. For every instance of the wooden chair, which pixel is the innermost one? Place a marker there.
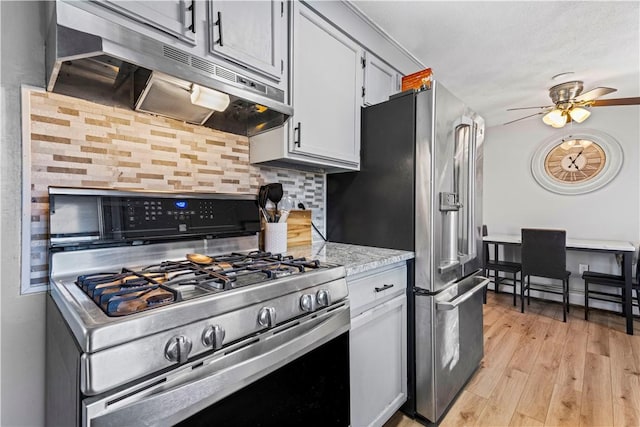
(611, 281)
(496, 266)
(544, 254)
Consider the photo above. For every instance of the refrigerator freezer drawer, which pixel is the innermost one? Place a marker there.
(449, 344)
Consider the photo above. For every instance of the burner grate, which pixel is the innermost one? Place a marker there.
(130, 291)
(127, 291)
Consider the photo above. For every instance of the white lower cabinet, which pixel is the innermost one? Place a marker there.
(378, 346)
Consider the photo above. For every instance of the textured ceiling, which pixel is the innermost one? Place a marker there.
(499, 55)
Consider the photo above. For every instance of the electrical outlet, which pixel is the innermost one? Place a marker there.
(583, 268)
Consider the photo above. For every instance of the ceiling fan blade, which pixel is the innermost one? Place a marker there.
(594, 93)
(528, 108)
(525, 117)
(615, 101)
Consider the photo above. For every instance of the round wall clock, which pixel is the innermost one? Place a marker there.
(576, 163)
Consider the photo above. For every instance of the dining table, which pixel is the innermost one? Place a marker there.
(620, 248)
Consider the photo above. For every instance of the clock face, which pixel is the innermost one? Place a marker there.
(575, 161)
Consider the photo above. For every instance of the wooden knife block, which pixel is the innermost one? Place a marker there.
(298, 228)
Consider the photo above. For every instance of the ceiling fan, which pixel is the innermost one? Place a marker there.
(570, 104)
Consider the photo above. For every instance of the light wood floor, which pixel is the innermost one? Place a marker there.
(539, 371)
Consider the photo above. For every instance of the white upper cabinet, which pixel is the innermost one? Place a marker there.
(174, 17)
(380, 80)
(327, 84)
(330, 80)
(326, 80)
(251, 33)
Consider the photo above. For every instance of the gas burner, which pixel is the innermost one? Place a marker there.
(235, 257)
(281, 270)
(247, 278)
(273, 268)
(303, 263)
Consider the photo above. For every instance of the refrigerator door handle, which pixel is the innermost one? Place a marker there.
(464, 186)
(471, 201)
(450, 305)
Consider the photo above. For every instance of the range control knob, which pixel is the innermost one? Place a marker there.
(213, 336)
(308, 302)
(323, 297)
(267, 317)
(177, 349)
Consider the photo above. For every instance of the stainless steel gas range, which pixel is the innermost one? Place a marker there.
(162, 311)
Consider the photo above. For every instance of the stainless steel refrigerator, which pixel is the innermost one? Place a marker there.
(419, 188)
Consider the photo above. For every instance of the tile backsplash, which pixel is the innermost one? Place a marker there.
(76, 143)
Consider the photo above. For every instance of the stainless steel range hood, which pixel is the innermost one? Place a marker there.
(93, 58)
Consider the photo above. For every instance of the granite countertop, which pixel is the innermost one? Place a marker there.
(356, 259)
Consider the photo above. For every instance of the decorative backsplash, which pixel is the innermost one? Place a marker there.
(76, 143)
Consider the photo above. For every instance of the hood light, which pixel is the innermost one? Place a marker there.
(209, 98)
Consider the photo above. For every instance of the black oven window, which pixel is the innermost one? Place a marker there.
(312, 390)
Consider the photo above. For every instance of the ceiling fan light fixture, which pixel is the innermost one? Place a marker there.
(555, 118)
(579, 114)
(568, 102)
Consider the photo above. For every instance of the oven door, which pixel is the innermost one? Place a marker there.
(294, 374)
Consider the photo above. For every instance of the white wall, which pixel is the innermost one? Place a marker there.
(513, 199)
(22, 317)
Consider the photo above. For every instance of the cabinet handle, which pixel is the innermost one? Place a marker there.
(192, 8)
(384, 288)
(219, 24)
(297, 131)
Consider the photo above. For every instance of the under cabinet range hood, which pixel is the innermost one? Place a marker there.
(93, 57)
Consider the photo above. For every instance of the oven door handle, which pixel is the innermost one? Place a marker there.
(204, 382)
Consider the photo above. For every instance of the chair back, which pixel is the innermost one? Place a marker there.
(544, 253)
(485, 248)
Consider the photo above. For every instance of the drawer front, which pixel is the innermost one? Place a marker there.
(376, 287)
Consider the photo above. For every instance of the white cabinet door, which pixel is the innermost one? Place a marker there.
(327, 85)
(380, 80)
(378, 370)
(174, 17)
(252, 33)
